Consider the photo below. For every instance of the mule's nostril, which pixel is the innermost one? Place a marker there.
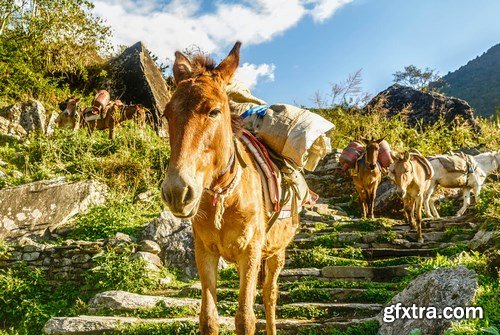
(189, 195)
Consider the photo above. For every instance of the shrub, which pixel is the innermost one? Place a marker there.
(115, 270)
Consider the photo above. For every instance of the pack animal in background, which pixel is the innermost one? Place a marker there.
(367, 172)
(355, 150)
(412, 174)
(458, 171)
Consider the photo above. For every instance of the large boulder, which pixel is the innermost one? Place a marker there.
(175, 238)
(32, 209)
(136, 78)
(445, 287)
(425, 107)
(328, 180)
(29, 114)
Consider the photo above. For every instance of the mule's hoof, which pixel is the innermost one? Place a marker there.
(421, 240)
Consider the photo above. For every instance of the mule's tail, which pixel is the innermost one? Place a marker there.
(262, 274)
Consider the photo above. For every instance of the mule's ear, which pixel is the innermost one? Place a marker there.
(380, 140)
(229, 65)
(366, 141)
(63, 105)
(182, 67)
(406, 156)
(78, 100)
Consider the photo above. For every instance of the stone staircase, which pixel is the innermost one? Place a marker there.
(339, 273)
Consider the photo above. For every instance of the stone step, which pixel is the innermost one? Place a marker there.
(379, 253)
(304, 295)
(97, 325)
(432, 242)
(378, 274)
(125, 301)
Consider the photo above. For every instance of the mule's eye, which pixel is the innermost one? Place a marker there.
(214, 113)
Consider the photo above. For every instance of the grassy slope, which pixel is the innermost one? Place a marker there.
(134, 164)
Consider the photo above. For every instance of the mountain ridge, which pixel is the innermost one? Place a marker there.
(477, 82)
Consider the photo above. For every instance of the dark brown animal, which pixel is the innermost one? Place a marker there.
(115, 113)
(367, 175)
(204, 169)
(69, 117)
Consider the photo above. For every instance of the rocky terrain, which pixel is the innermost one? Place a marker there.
(340, 273)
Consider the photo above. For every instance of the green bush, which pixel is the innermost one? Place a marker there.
(28, 301)
(488, 206)
(117, 215)
(115, 270)
(353, 124)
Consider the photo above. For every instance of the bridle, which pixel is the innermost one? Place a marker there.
(221, 188)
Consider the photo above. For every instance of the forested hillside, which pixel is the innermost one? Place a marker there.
(478, 82)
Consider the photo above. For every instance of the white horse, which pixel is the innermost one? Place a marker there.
(485, 163)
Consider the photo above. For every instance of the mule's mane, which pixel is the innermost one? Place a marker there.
(202, 63)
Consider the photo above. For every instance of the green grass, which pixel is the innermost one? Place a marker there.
(116, 215)
(366, 328)
(176, 328)
(488, 206)
(28, 300)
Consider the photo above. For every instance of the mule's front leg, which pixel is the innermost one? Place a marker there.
(248, 269)
(418, 209)
(270, 290)
(466, 202)
(206, 262)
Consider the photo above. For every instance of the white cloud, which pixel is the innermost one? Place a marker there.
(165, 28)
(250, 74)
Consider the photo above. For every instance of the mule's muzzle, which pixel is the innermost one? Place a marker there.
(180, 197)
(372, 166)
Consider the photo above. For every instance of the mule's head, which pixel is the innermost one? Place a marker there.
(69, 112)
(372, 149)
(402, 172)
(69, 106)
(200, 130)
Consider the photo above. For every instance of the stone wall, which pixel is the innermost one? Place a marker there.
(62, 262)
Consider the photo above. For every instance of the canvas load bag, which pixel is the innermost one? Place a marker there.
(294, 133)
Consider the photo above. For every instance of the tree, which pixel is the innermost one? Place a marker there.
(45, 39)
(417, 78)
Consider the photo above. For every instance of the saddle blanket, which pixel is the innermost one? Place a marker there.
(276, 180)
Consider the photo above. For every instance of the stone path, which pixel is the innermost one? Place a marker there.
(340, 272)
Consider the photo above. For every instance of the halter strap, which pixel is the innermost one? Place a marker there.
(219, 188)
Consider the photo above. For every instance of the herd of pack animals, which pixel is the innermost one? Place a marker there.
(209, 163)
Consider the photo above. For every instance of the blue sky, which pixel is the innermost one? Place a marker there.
(293, 48)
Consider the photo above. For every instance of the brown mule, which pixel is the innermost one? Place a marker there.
(69, 117)
(116, 113)
(412, 175)
(207, 158)
(367, 177)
